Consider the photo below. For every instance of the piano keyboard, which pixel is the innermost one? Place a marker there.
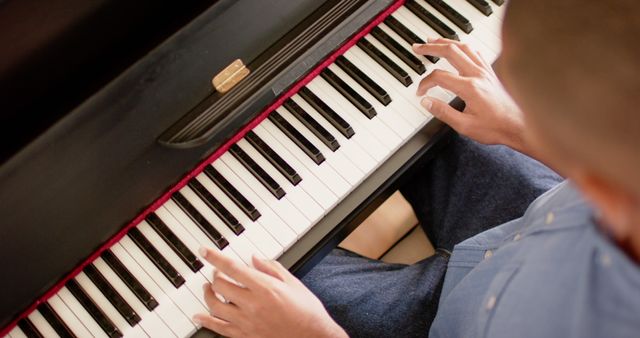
(272, 186)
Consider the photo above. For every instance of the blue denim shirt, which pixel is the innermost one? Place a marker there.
(550, 273)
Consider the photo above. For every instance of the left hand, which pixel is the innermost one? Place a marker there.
(266, 301)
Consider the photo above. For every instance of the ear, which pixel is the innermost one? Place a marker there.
(617, 204)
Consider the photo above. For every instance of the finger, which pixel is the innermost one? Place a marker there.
(452, 82)
(450, 51)
(226, 311)
(236, 270)
(217, 325)
(445, 113)
(229, 290)
(464, 47)
(272, 268)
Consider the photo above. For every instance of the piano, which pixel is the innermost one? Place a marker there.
(313, 121)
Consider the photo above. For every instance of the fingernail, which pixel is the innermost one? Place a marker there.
(416, 45)
(426, 103)
(203, 252)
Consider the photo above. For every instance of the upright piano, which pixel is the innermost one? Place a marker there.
(136, 132)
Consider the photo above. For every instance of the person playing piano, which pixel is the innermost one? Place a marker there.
(562, 265)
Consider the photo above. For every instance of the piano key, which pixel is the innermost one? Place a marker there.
(373, 88)
(81, 295)
(329, 114)
(134, 285)
(68, 317)
(241, 245)
(156, 257)
(390, 66)
(151, 324)
(428, 17)
(453, 15)
(200, 221)
(375, 148)
(187, 256)
(313, 125)
(218, 208)
(284, 206)
(257, 231)
(267, 181)
(112, 295)
(296, 195)
(233, 193)
(297, 138)
(283, 167)
(351, 148)
(16, 332)
(354, 97)
(181, 297)
(407, 57)
(195, 231)
(498, 2)
(40, 323)
(81, 313)
(320, 192)
(193, 280)
(27, 327)
(55, 321)
(410, 37)
(482, 6)
(168, 310)
(109, 310)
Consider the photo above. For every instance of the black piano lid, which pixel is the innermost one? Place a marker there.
(82, 180)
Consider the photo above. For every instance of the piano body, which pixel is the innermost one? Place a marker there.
(105, 204)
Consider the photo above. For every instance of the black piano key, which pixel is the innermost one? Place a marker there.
(297, 138)
(283, 167)
(498, 2)
(233, 193)
(29, 329)
(482, 6)
(406, 56)
(188, 257)
(428, 18)
(130, 280)
(156, 257)
(217, 207)
(55, 321)
(92, 308)
(336, 82)
(451, 14)
(313, 125)
(112, 295)
(200, 221)
(267, 181)
(336, 120)
(359, 76)
(384, 61)
(407, 35)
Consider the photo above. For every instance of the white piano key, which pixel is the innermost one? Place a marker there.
(295, 194)
(227, 164)
(240, 244)
(42, 325)
(320, 191)
(350, 147)
(150, 322)
(68, 317)
(17, 333)
(193, 280)
(168, 309)
(81, 313)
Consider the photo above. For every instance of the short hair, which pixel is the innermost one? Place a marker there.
(583, 58)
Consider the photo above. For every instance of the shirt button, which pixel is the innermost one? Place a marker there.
(488, 254)
(491, 303)
(517, 237)
(550, 217)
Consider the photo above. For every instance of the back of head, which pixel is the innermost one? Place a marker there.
(578, 61)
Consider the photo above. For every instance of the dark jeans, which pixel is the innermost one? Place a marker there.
(467, 189)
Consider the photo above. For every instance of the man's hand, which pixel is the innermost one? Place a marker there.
(490, 115)
(264, 301)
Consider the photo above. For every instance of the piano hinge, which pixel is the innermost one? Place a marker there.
(230, 76)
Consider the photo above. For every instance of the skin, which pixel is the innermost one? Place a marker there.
(267, 301)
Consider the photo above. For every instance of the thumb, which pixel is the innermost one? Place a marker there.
(444, 112)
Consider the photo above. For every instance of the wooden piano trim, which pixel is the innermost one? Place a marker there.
(198, 169)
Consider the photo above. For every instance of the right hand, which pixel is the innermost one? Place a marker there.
(490, 115)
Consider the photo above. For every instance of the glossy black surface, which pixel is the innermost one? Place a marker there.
(112, 295)
(92, 308)
(297, 138)
(394, 69)
(233, 193)
(482, 6)
(356, 99)
(409, 36)
(216, 206)
(260, 174)
(156, 258)
(428, 18)
(365, 81)
(134, 285)
(498, 2)
(329, 114)
(200, 221)
(452, 14)
(396, 48)
(318, 130)
(188, 257)
(55, 321)
(278, 162)
(28, 328)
